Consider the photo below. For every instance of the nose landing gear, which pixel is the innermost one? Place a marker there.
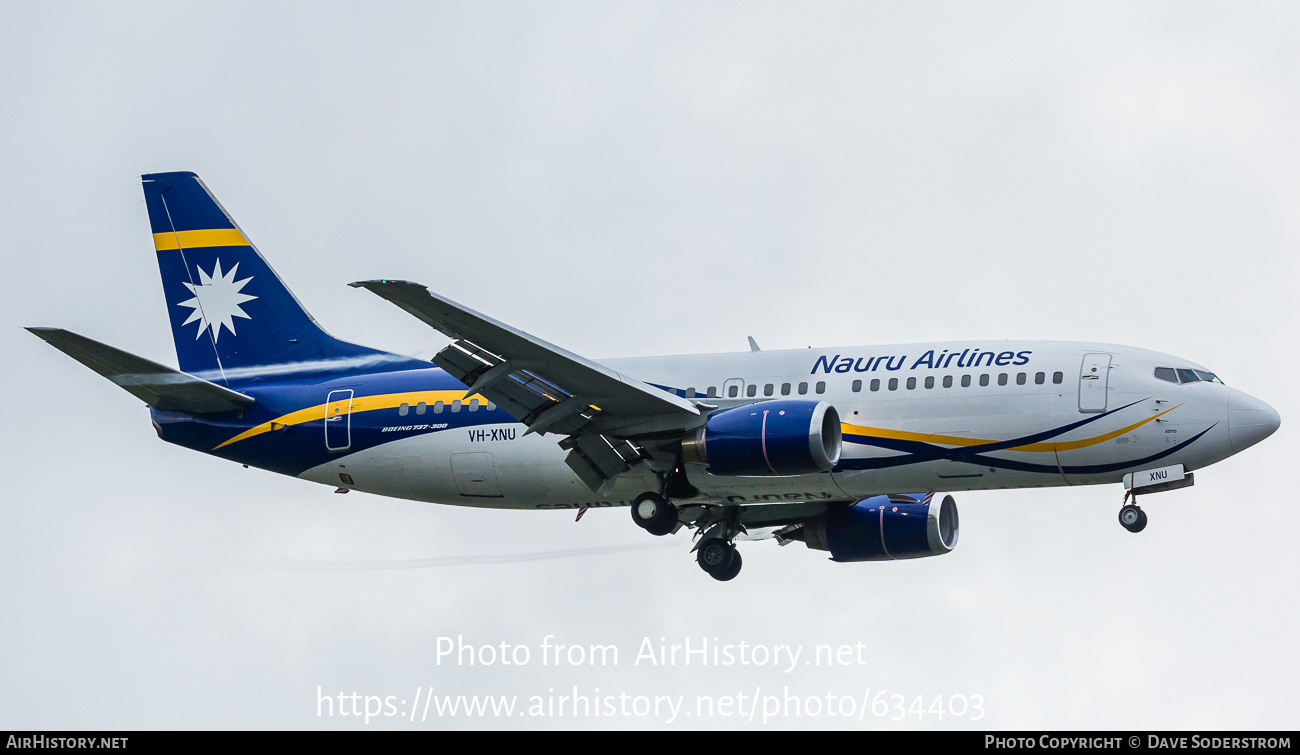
(1131, 517)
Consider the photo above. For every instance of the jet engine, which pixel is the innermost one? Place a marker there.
(767, 438)
(885, 528)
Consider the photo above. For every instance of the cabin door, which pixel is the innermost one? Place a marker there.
(338, 420)
(1094, 377)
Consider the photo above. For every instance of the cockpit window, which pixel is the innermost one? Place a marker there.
(1186, 375)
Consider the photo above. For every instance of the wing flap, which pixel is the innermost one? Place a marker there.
(157, 385)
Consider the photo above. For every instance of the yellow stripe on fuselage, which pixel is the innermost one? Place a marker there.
(198, 239)
(394, 400)
(359, 404)
(1071, 445)
(880, 432)
(952, 440)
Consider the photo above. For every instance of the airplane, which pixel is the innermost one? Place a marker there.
(805, 445)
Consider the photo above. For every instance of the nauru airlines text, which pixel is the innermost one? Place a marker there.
(929, 360)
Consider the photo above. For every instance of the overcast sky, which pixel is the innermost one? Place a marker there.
(628, 179)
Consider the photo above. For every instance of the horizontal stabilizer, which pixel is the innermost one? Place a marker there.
(158, 386)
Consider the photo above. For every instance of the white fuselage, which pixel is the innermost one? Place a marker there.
(916, 417)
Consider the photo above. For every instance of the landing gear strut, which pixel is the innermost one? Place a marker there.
(654, 514)
(1131, 517)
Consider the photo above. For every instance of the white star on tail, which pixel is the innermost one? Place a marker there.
(216, 300)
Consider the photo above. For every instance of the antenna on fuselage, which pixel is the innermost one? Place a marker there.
(753, 345)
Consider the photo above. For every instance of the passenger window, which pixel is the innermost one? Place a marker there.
(785, 389)
(1039, 378)
(1058, 377)
(911, 384)
(947, 381)
(929, 382)
(767, 389)
(1020, 378)
(803, 389)
(403, 410)
(420, 407)
(733, 391)
(473, 405)
(1167, 374)
(857, 386)
(821, 386)
(965, 381)
(893, 384)
(875, 384)
(491, 407)
(751, 390)
(1002, 378)
(690, 393)
(1187, 376)
(713, 391)
(455, 406)
(438, 407)
(984, 379)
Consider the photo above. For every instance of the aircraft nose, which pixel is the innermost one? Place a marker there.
(1250, 421)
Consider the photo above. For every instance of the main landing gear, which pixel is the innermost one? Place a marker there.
(716, 553)
(1131, 517)
(718, 558)
(654, 513)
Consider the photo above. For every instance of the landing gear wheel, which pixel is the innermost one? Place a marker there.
(654, 514)
(716, 556)
(1133, 518)
(732, 570)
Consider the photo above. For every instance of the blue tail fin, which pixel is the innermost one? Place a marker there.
(233, 319)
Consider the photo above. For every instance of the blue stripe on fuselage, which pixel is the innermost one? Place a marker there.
(295, 448)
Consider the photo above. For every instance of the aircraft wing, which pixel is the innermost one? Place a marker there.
(551, 390)
(157, 385)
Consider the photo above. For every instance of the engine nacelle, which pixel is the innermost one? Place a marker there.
(885, 528)
(768, 438)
